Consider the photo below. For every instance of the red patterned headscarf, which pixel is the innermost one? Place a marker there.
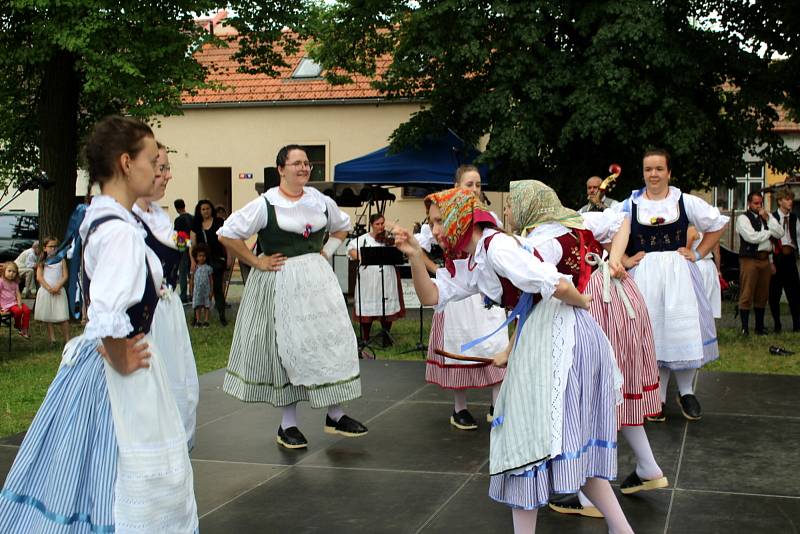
(460, 211)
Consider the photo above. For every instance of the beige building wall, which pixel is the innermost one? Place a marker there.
(211, 148)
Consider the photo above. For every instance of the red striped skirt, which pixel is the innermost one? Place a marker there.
(632, 340)
(456, 376)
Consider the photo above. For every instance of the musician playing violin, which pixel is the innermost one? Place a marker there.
(376, 282)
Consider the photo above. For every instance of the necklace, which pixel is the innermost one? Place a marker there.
(290, 195)
(647, 195)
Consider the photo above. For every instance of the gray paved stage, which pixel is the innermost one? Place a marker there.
(736, 471)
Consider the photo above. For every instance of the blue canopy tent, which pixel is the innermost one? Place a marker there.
(434, 162)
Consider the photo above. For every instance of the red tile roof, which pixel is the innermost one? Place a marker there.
(254, 88)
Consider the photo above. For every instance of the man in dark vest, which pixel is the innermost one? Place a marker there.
(755, 228)
(784, 257)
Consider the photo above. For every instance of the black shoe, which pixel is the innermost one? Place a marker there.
(690, 407)
(633, 483)
(777, 329)
(490, 414)
(223, 321)
(779, 351)
(571, 504)
(292, 438)
(745, 332)
(345, 426)
(463, 420)
(761, 331)
(659, 417)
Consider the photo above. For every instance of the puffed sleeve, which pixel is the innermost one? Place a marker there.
(246, 221)
(529, 274)
(425, 237)
(116, 252)
(604, 225)
(452, 288)
(337, 219)
(354, 244)
(704, 216)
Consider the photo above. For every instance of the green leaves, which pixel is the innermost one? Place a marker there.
(562, 88)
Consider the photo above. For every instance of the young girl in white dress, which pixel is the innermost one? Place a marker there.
(51, 298)
(107, 450)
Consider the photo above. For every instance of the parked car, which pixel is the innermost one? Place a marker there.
(18, 231)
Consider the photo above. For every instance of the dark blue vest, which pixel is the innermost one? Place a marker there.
(140, 314)
(750, 250)
(657, 237)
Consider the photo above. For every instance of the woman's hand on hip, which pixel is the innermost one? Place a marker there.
(270, 263)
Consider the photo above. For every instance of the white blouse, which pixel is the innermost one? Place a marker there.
(293, 216)
(700, 213)
(603, 224)
(114, 260)
(481, 273)
(159, 223)
(425, 237)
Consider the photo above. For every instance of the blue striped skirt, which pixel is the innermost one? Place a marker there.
(589, 428)
(63, 476)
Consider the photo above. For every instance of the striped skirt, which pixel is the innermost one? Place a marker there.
(459, 323)
(256, 371)
(589, 428)
(64, 474)
(632, 341)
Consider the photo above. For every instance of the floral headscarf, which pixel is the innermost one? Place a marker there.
(534, 203)
(460, 210)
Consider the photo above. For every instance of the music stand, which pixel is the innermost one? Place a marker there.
(379, 256)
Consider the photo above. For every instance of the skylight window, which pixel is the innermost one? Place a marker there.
(308, 68)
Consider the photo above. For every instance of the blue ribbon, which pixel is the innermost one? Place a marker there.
(591, 443)
(522, 310)
(710, 341)
(497, 421)
(52, 516)
(71, 236)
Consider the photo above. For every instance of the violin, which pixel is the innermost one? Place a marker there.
(385, 238)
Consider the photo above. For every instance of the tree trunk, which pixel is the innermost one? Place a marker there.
(58, 145)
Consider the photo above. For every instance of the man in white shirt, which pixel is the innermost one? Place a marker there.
(598, 201)
(784, 260)
(26, 263)
(755, 228)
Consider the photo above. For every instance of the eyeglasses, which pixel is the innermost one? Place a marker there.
(163, 168)
(301, 165)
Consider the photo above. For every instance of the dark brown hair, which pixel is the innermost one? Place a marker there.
(110, 138)
(283, 154)
(201, 248)
(658, 152)
(43, 243)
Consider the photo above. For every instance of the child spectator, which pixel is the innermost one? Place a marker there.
(51, 299)
(11, 299)
(201, 283)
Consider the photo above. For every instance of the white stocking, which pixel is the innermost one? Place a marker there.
(685, 380)
(460, 396)
(335, 412)
(524, 521)
(289, 418)
(663, 376)
(601, 494)
(646, 465)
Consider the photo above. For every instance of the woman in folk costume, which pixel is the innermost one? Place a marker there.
(554, 423)
(107, 450)
(709, 266)
(293, 339)
(169, 322)
(574, 243)
(378, 295)
(665, 271)
(458, 323)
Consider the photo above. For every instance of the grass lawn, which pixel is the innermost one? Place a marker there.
(27, 370)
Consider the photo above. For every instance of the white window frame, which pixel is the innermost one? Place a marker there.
(749, 179)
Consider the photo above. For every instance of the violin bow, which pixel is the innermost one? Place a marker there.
(462, 357)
